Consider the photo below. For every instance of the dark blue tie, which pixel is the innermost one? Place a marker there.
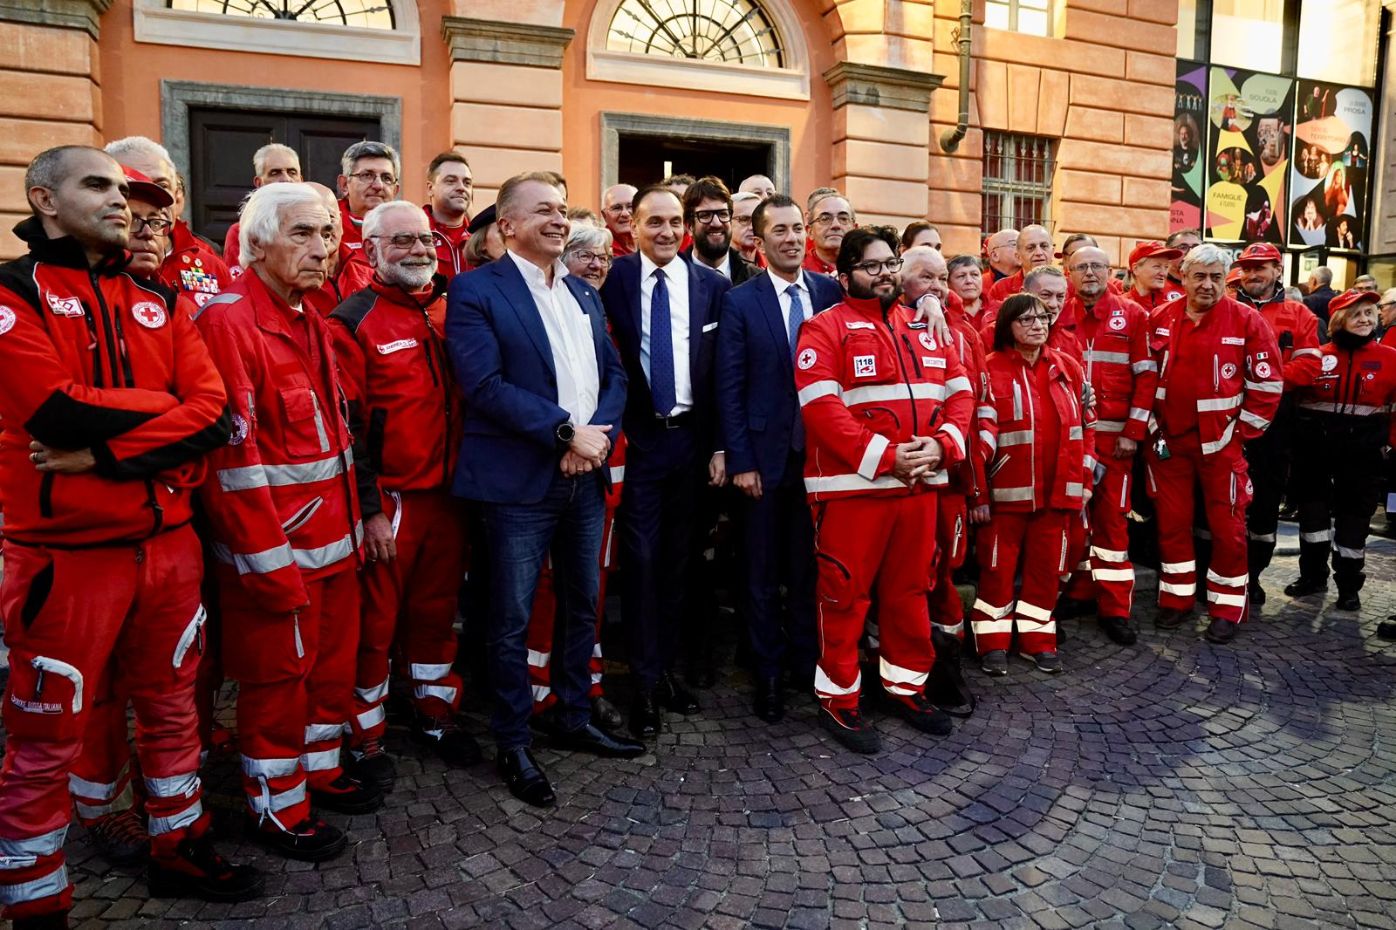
(797, 315)
(661, 348)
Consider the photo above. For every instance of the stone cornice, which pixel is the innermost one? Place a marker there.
(66, 14)
(495, 42)
(880, 86)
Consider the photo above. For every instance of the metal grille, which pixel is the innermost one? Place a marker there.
(369, 14)
(730, 31)
(1033, 17)
(1017, 181)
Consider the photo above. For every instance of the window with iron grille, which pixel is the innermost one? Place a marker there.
(1017, 180)
(1033, 17)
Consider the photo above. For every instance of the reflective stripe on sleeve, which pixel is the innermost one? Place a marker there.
(247, 477)
(1144, 365)
(818, 389)
(1266, 387)
(1218, 403)
(872, 456)
(1012, 494)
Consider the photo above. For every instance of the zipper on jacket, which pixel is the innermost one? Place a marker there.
(1032, 427)
(46, 494)
(156, 509)
(901, 366)
(107, 330)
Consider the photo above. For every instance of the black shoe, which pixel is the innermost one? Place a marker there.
(850, 728)
(1170, 618)
(645, 719)
(525, 779)
(1221, 631)
(1048, 662)
(120, 837)
(923, 715)
(1071, 607)
(1119, 630)
(1257, 593)
(995, 663)
(445, 737)
(311, 840)
(770, 700)
(1348, 600)
(1387, 629)
(347, 795)
(597, 741)
(1304, 587)
(673, 697)
(605, 714)
(198, 871)
(371, 765)
(58, 920)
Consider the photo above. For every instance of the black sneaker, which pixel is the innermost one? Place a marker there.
(848, 726)
(372, 765)
(347, 795)
(197, 871)
(1048, 662)
(1119, 630)
(120, 837)
(995, 663)
(922, 714)
(1304, 587)
(311, 840)
(444, 735)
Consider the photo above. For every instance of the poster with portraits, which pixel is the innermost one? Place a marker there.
(1250, 119)
(1189, 118)
(1332, 148)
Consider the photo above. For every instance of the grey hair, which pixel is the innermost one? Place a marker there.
(1042, 271)
(259, 157)
(1206, 254)
(138, 145)
(744, 196)
(374, 219)
(259, 221)
(369, 149)
(586, 236)
(1363, 279)
(1323, 275)
(915, 255)
(49, 167)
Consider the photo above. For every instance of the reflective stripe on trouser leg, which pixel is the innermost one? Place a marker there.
(1111, 569)
(1350, 527)
(903, 582)
(173, 802)
(1043, 546)
(952, 544)
(1174, 479)
(997, 548)
(538, 638)
(33, 879)
(1225, 496)
(92, 800)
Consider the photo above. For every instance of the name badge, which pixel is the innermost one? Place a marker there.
(930, 361)
(1233, 341)
(397, 346)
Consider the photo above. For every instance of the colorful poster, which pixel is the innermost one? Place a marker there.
(1189, 116)
(1332, 146)
(1250, 121)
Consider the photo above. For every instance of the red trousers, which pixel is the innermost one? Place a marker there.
(83, 625)
(859, 542)
(295, 690)
(1034, 544)
(412, 601)
(1107, 577)
(1226, 491)
(952, 543)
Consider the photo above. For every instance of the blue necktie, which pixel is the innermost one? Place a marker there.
(797, 315)
(661, 348)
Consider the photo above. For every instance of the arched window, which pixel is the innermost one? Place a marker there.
(368, 14)
(731, 31)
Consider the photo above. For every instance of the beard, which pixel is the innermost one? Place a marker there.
(870, 293)
(713, 251)
(411, 277)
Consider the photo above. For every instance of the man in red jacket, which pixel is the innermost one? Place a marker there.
(1220, 381)
(108, 401)
(450, 190)
(284, 515)
(370, 173)
(1001, 256)
(1149, 264)
(405, 411)
(828, 217)
(1034, 250)
(886, 408)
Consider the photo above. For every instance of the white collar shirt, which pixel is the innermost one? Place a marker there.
(676, 281)
(783, 295)
(569, 339)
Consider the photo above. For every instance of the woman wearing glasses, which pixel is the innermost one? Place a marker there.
(1039, 478)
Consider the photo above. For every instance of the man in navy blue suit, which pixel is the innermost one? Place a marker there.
(544, 390)
(664, 315)
(764, 440)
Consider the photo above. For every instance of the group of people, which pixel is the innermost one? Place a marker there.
(279, 464)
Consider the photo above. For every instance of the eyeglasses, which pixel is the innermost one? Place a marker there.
(618, 208)
(407, 240)
(871, 268)
(368, 177)
(824, 219)
(1093, 267)
(157, 225)
(586, 258)
(1385, 304)
(1029, 320)
(704, 217)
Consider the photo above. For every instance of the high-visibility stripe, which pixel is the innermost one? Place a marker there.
(1226, 600)
(1075, 488)
(983, 627)
(1300, 353)
(96, 791)
(373, 695)
(954, 433)
(884, 393)
(1084, 565)
(1187, 589)
(1206, 404)
(1109, 426)
(872, 456)
(1252, 419)
(1139, 413)
(617, 474)
(832, 483)
(540, 693)
(1020, 437)
(1144, 365)
(1075, 432)
(899, 675)
(1347, 553)
(1012, 494)
(596, 651)
(1115, 358)
(956, 385)
(47, 886)
(1358, 410)
(824, 686)
(422, 671)
(440, 692)
(320, 761)
(1112, 574)
(372, 717)
(256, 563)
(171, 822)
(247, 477)
(818, 389)
(319, 732)
(998, 613)
(538, 659)
(330, 553)
(1034, 626)
(278, 801)
(1177, 568)
(269, 768)
(596, 678)
(1266, 387)
(1321, 536)
(987, 412)
(1033, 612)
(1262, 537)
(953, 629)
(174, 786)
(23, 852)
(1110, 555)
(1211, 448)
(1227, 581)
(989, 441)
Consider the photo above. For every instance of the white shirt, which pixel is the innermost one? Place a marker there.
(676, 281)
(725, 269)
(783, 286)
(569, 338)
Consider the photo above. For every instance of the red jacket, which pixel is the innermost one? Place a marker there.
(231, 250)
(1224, 375)
(1019, 444)
(1388, 338)
(1348, 384)
(1155, 299)
(1114, 335)
(281, 500)
(404, 406)
(450, 245)
(354, 270)
(192, 267)
(818, 265)
(868, 380)
(1296, 332)
(970, 477)
(94, 359)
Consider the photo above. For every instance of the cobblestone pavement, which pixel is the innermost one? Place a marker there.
(1174, 784)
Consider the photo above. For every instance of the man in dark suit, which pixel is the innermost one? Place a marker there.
(707, 215)
(664, 316)
(764, 440)
(544, 389)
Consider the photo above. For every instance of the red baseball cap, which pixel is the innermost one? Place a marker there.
(1234, 275)
(1258, 253)
(1152, 250)
(146, 190)
(1351, 299)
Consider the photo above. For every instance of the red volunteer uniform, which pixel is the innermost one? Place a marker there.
(283, 510)
(1121, 370)
(1220, 382)
(102, 570)
(192, 267)
(231, 250)
(354, 272)
(867, 381)
(1043, 459)
(406, 411)
(1155, 299)
(450, 245)
(814, 263)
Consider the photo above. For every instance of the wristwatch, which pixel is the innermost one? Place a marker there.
(565, 432)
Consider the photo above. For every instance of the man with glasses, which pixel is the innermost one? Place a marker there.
(1001, 255)
(1386, 307)
(886, 409)
(273, 163)
(744, 205)
(616, 208)
(707, 213)
(369, 176)
(829, 217)
(1184, 241)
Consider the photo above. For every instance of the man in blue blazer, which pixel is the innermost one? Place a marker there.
(544, 390)
(664, 316)
(764, 439)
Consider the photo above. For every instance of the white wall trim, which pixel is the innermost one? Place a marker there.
(155, 23)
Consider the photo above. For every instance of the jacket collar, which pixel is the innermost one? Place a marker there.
(870, 307)
(1277, 297)
(65, 250)
(417, 300)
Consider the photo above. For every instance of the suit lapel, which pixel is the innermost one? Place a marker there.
(517, 295)
(769, 301)
(697, 315)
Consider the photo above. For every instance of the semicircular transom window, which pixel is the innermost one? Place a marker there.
(366, 14)
(728, 31)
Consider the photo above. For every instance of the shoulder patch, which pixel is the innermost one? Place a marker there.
(149, 314)
(7, 319)
(807, 359)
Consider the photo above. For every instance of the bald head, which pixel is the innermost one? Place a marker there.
(1034, 247)
(924, 272)
(1089, 270)
(1002, 251)
(616, 209)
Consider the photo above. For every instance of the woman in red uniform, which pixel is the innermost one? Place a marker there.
(1345, 421)
(1039, 481)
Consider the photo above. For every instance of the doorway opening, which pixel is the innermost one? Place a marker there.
(642, 150)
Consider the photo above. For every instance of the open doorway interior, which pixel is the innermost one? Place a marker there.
(646, 159)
